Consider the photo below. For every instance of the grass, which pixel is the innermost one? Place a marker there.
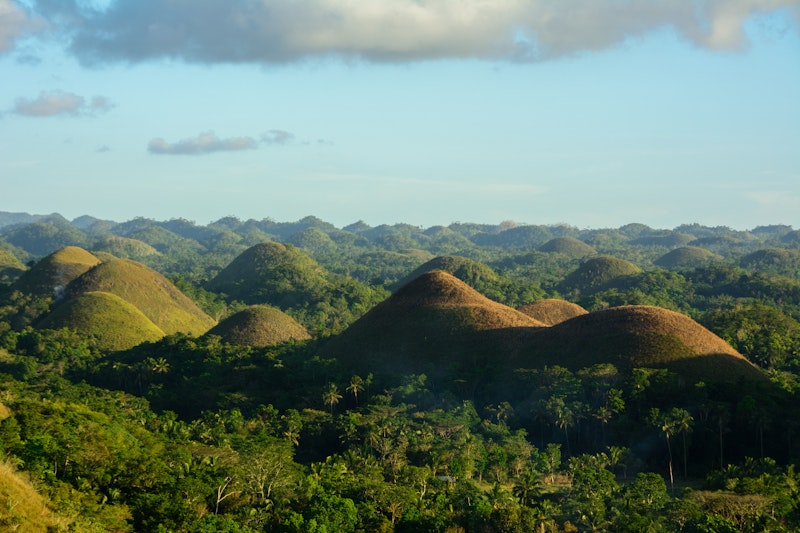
(115, 323)
(22, 509)
(55, 272)
(552, 311)
(259, 326)
(150, 292)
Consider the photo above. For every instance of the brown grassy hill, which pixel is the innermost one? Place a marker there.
(22, 508)
(52, 274)
(552, 311)
(259, 326)
(686, 257)
(638, 336)
(569, 246)
(433, 325)
(150, 292)
(113, 322)
(596, 273)
(125, 248)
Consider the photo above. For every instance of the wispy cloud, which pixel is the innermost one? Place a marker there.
(205, 143)
(277, 137)
(211, 31)
(58, 103)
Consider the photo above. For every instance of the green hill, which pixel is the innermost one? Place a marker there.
(125, 248)
(150, 292)
(113, 322)
(686, 257)
(773, 261)
(259, 326)
(471, 272)
(596, 273)
(283, 276)
(569, 246)
(49, 277)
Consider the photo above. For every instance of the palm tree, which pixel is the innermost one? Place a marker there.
(668, 427)
(356, 386)
(331, 396)
(683, 421)
(527, 487)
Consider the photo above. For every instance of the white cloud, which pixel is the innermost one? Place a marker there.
(49, 104)
(13, 23)
(387, 30)
(206, 142)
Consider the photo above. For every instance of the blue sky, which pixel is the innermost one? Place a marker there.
(594, 113)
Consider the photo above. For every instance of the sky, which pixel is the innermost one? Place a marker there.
(592, 113)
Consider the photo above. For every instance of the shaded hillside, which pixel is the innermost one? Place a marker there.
(433, 326)
(114, 323)
(596, 274)
(50, 276)
(150, 292)
(259, 326)
(551, 311)
(569, 246)
(638, 336)
(686, 257)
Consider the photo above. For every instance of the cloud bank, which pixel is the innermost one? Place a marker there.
(205, 143)
(49, 104)
(281, 31)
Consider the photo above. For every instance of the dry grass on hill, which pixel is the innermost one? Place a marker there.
(22, 509)
(150, 292)
(260, 326)
(54, 272)
(113, 322)
(552, 311)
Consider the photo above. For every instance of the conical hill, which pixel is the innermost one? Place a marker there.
(150, 292)
(434, 325)
(471, 272)
(270, 272)
(113, 322)
(597, 273)
(53, 273)
(638, 336)
(552, 311)
(259, 326)
(569, 246)
(686, 257)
